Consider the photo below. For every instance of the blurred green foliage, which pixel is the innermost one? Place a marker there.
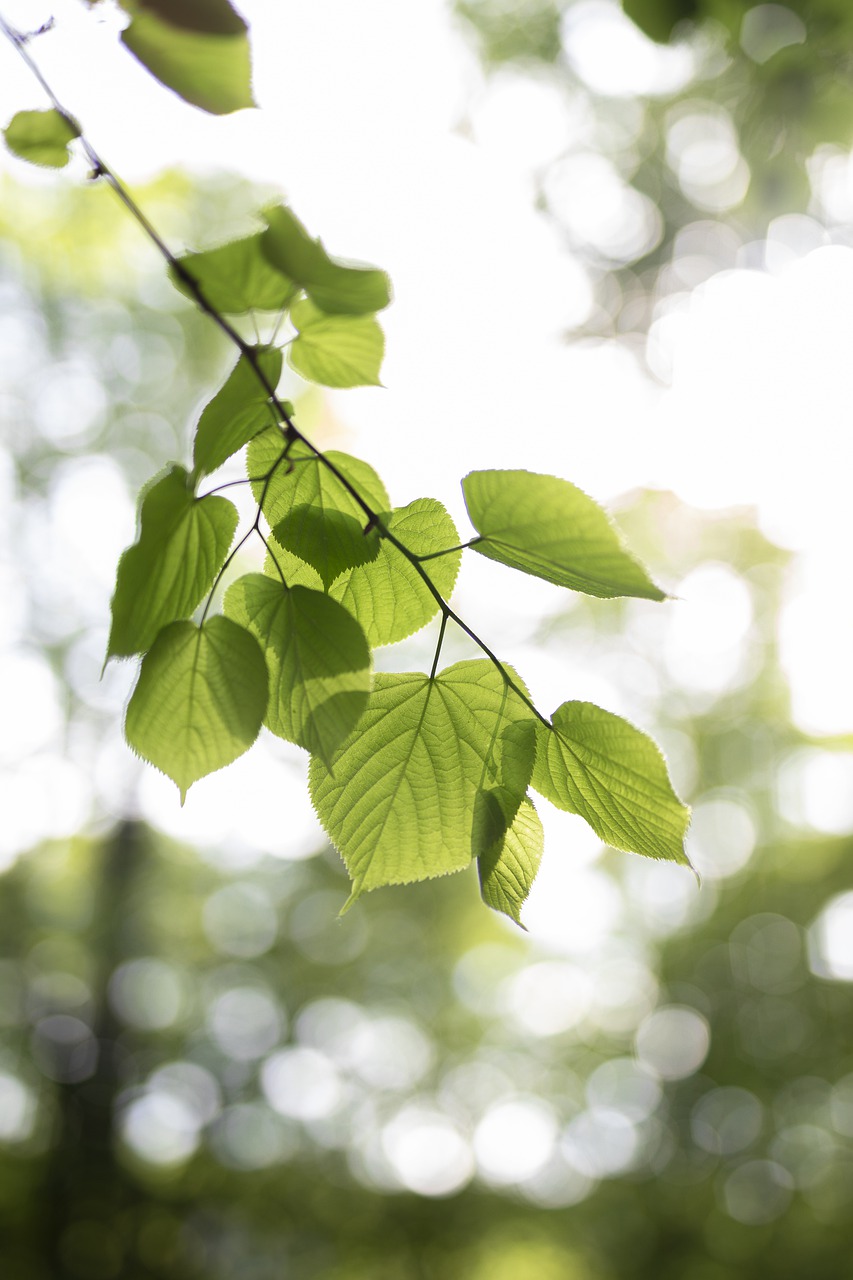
(714, 117)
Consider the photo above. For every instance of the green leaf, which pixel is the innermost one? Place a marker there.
(335, 286)
(509, 868)
(318, 660)
(238, 411)
(388, 595)
(200, 699)
(658, 18)
(337, 351)
(211, 71)
(596, 764)
(305, 480)
(216, 17)
(42, 137)
(235, 278)
(549, 528)
(329, 541)
(182, 545)
(400, 796)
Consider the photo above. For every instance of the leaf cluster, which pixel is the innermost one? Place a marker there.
(414, 775)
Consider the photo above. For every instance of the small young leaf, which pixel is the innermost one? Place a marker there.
(337, 351)
(549, 528)
(199, 701)
(388, 595)
(238, 411)
(596, 764)
(236, 278)
(182, 545)
(509, 868)
(336, 287)
(42, 137)
(305, 481)
(210, 70)
(399, 797)
(318, 660)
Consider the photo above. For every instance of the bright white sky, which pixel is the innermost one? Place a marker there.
(359, 127)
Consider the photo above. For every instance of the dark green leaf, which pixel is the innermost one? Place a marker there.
(596, 764)
(330, 541)
(42, 137)
(549, 528)
(335, 286)
(216, 17)
(238, 411)
(318, 660)
(182, 545)
(399, 797)
(236, 278)
(336, 351)
(509, 868)
(211, 71)
(199, 701)
(658, 18)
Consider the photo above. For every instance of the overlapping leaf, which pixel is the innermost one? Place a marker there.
(336, 350)
(318, 660)
(336, 287)
(305, 481)
(182, 545)
(199, 701)
(596, 764)
(551, 529)
(206, 64)
(238, 411)
(42, 137)
(387, 595)
(235, 278)
(400, 797)
(509, 868)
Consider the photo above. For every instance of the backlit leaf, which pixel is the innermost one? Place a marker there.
(318, 660)
(42, 137)
(216, 17)
(238, 411)
(551, 529)
(336, 351)
(182, 545)
(400, 796)
(211, 71)
(335, 286)
(236, 278)
(596, 764)
(199, 701)
(509, 868)
(307, 481)
(330, 541)
(388, 595)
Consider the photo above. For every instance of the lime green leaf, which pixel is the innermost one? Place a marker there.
(388, 595)
(42, 137)
(549, 528)
(182, 545)
(199, 701)
(212, 71)
(238, 411)
(596, 764)
(318, 660)
(337, 351)
(307, 481)
(235, 278)
(509, 868)
(335, 286)
(399, 797)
